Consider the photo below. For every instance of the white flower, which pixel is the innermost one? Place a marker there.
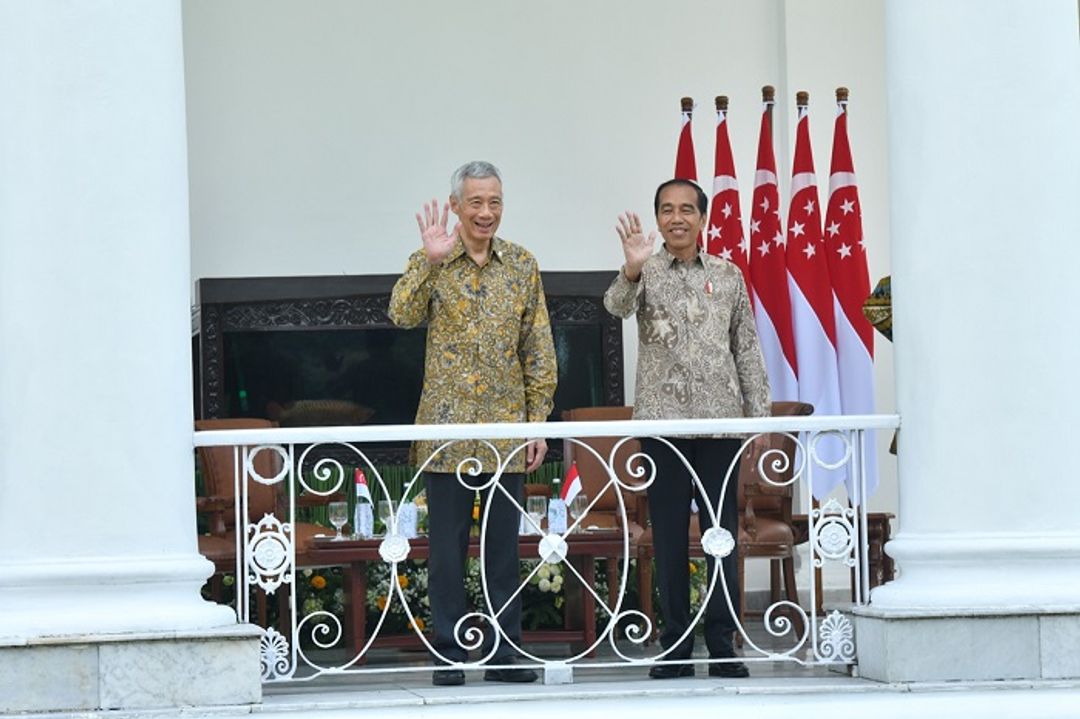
(544, 572)
(545, 585)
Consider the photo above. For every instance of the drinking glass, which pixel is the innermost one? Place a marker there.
(339, 514)
(421, 516)
(577, 508)
(537, 510)
(387, 510)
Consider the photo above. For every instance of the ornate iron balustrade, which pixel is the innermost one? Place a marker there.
(267, 550)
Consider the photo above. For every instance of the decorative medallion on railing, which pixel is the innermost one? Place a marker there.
(834, 537)
(269, 552)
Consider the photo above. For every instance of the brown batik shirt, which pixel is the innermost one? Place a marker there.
(489, 356)
(698, 350)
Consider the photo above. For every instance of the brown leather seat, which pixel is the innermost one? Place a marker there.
(596, 483)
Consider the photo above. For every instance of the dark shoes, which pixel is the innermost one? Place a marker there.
(727, 670)
(456, 677)
(515, 675)
(671, 671)
(448, 677)
(730, 670)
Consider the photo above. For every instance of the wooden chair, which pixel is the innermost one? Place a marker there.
(219, 501)
(595, 481)
(765, 524)
(766, 528)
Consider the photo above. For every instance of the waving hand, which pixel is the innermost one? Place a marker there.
(437, 243)
(636, 248)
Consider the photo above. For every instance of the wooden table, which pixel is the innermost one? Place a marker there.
(579, 615)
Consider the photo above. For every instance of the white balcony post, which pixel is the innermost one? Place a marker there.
(99, 571)
(984, 97)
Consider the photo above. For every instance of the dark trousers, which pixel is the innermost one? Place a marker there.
(450, 507)
(669, 510)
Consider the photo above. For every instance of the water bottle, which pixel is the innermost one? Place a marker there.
(363, 515)
(556, 511)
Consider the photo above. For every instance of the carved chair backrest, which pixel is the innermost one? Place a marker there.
(768, 498)
(219, 466)
(594, 476)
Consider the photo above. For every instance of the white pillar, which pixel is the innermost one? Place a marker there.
(984, 99)
(97, 525)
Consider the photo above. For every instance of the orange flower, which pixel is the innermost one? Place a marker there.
(693, 568)
(402, 581)
(318, 582)
(417, 623)
(476, 512)
(381, 603)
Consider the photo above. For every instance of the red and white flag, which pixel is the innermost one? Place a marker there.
(685, 165)
(362, 490)
(724, 233)
(571, 486)
(846, 253)
(812, 311)
(768, 269)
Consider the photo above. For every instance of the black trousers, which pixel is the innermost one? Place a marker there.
(450, 508)
(669, 510)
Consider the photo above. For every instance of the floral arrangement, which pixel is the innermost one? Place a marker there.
(542, 598)
(412, 579)
(321, 590)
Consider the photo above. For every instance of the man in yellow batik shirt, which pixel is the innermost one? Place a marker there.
(489, 358)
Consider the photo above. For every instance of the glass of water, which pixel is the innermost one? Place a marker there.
(537, 510)
(577, 509)
(339, 514)
(387, 510)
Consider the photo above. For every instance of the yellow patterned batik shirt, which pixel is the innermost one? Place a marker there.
(489, 356)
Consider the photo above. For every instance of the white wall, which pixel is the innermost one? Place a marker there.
(316, 130)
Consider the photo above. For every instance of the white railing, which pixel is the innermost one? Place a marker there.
(307, 644)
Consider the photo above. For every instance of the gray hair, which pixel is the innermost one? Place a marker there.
(477, 169)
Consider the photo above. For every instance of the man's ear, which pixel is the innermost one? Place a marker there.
(454, 206)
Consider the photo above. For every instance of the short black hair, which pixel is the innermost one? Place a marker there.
(702, 198)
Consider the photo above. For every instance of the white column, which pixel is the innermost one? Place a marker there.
(984, 99)
(97, 524)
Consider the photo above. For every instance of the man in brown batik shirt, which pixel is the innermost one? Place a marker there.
(698, 358)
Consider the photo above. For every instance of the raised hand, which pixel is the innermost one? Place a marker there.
(636, 247)
(437, 243)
